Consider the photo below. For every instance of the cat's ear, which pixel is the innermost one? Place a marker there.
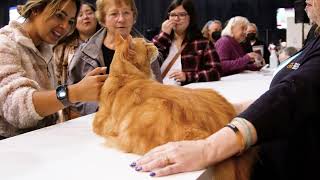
(118, 39)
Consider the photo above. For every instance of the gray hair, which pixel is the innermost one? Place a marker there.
(205, 29)
(237, 20)
(255, 27)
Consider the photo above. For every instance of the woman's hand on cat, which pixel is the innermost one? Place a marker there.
(174, 157)
(167, 26)
(179, 76)
(88, 89)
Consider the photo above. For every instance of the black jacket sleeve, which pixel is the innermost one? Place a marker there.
(289, 103)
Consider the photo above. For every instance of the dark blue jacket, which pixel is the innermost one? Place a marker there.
(287, 119)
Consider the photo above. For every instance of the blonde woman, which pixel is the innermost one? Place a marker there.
(233, 57)
(27, 100)
(114, 16)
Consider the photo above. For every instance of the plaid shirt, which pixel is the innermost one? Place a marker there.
(199, 59)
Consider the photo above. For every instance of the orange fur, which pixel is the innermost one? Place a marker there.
(137, 113)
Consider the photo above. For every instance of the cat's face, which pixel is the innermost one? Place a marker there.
(137, 52)
(144, 51)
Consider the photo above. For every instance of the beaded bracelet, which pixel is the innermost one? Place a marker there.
(239, 136)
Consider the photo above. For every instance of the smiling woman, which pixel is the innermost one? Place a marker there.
(49, 21)
(27, 100)
(87, 25)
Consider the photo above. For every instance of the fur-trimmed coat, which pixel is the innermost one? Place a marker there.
(24, 69)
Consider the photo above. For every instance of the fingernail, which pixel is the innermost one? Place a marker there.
(152, 174)
(138, 168)
(133, 164)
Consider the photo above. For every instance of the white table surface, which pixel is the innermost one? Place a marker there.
(240, 89)
(71, 151)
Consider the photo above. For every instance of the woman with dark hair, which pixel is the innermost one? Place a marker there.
(27, 101)
(188, 56)
(87, 25)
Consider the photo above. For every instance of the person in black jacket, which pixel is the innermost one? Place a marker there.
(253, 41)
(284, 121)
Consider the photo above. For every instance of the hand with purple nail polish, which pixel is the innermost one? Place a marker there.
(133, 164)
(138, 168)
(174, 157)
(152, 174)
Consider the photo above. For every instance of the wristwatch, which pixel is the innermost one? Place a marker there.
(62, 95)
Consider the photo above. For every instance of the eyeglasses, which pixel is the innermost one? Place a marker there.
(117, 14)
(181, 15)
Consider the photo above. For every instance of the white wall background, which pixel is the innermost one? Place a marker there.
(294, 33)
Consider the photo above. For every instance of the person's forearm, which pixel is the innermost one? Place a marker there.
(46, 102)
(224, 143)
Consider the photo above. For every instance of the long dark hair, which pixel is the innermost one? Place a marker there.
(75, 33)
(192, 32)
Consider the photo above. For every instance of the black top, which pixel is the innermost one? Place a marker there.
(107, 56)
(247, 47)
(311, 34)
(287, 118)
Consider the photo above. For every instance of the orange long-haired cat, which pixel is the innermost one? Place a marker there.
(136, 113)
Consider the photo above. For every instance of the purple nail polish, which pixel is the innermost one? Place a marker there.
(133, 164)
(152, 174)
(138, 168)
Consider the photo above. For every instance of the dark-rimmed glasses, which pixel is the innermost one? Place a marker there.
(181, 15)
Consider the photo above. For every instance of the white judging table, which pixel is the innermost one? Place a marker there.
(72, 151)
(240, 89)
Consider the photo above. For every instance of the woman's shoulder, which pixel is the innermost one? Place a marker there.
(7, 43)
(13, 36)
(224, 41)
(200, 41)
(8, 35)
(162, 35)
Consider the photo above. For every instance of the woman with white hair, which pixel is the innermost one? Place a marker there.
(233, 57)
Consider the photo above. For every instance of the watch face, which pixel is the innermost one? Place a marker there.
(61, 92)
